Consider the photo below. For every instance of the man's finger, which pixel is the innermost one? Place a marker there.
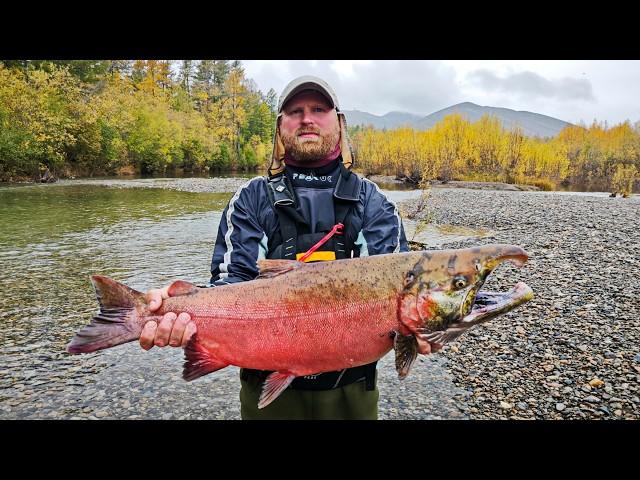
(155, 296)
(154, 299)
(188, 332)
(164, 329)
(148, 335)
(175, 340)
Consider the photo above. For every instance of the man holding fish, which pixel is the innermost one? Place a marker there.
(310, 189)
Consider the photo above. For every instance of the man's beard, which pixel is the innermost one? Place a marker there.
(309, 151)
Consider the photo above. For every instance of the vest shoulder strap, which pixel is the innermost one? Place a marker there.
(348, 185)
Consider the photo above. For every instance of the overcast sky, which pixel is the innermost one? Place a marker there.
(571, 90)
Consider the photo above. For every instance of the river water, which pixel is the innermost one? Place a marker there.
(53, 237)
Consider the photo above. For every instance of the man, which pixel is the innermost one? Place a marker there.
(309, 190)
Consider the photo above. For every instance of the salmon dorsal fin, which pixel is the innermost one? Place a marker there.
(180, 287)
(273, 268)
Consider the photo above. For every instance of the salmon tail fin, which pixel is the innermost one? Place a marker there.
(115, 324)
(198, 361)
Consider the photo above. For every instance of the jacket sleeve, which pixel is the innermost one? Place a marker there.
(382, 228)
(240, 238)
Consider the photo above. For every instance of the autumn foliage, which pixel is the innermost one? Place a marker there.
(590, 158)
(87, 118)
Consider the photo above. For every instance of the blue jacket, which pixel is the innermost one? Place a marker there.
(249, 221)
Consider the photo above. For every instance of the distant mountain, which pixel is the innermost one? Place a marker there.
(532, 124)
(390, 120)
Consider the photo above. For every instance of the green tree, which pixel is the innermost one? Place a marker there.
(185, 77)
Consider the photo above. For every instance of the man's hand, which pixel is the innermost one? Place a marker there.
(174, 330)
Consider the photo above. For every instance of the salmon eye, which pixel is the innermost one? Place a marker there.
(408, 279)
(459, 282)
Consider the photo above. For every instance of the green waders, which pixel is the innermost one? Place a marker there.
(351, 402)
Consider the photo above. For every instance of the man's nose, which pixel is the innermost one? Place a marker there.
(307, 117)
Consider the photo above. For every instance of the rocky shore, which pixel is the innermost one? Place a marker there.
(573, 352)
(392, 180)
(200, 185)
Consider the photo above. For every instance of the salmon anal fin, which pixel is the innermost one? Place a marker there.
(180, 287)
(274, 385)
(406, 347)
(272, 268)
(198, 361)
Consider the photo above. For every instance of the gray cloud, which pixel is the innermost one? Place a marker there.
(571, 91)
(419, 87)
(531, 84)
(415, 87)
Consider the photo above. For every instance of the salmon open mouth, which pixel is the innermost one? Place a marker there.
(487, 305)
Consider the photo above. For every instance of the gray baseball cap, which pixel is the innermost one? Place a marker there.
(307, 82)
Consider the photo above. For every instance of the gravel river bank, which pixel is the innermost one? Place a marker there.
(573, 352)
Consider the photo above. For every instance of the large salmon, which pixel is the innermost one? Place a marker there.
(299, 319)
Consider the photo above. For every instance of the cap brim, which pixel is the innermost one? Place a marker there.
(307, 85)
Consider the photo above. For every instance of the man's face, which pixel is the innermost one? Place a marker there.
(309, 127)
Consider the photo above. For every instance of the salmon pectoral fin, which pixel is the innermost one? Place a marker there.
(274, 385)
(440, 337)
(406, 348)
(272, 268)
(198, 361)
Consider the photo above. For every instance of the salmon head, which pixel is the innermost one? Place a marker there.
(443, 297)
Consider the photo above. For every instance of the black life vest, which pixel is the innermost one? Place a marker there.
(295, 238)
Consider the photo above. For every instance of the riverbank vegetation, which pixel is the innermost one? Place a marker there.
(85, 118)
(590, 158)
